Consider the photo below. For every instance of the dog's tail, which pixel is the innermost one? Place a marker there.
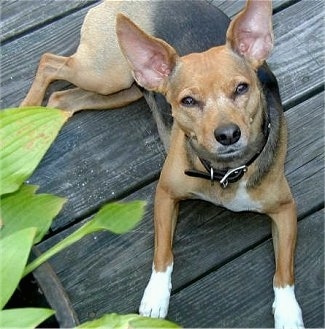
(161, 112)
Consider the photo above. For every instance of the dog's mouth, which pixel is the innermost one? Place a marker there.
(230, 152)
(228, 156)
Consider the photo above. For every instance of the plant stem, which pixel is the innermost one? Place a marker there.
(68, 241)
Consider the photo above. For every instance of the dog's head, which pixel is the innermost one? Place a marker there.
(216, 97)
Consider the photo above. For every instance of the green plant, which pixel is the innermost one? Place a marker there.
(25, 136)
(128, 321)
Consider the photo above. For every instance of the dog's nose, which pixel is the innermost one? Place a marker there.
(227, 134)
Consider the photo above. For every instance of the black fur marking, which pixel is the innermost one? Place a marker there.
(188, 26)
(275, 116)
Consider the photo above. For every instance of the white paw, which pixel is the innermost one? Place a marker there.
(287, 312)
(156, 296)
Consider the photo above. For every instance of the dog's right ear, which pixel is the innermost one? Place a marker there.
(152, 60)
(250, 32)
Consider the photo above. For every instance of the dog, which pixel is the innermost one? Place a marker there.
(227, 144)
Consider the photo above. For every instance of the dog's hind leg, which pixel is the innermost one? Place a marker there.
(51, 67)
(112, 80)
(77, 99)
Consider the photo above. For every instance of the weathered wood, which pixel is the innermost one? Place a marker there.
(240, 294)
(100, 156)
(305, 158)
(298, 55)
(203, 237)
(231, 8)
(17, 19)
(20, 57)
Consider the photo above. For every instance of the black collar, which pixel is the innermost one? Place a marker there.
(228, 175)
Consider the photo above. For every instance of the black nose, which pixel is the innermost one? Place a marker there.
(227, 134)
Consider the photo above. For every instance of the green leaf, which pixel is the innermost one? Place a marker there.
(14, 251)
(115, 217)
(144, 322)
(127, 321)
(113, 320)
(25, 136)
(24, 208)
(24, 317)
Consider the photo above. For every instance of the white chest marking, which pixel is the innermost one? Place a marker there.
(242, 201)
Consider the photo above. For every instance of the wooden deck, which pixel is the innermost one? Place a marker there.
(224, 261)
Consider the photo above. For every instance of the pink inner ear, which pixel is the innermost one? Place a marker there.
(150, 73)
(163, 69)
(250, 33)
(151, 59)
(151, 67)
(255, 46)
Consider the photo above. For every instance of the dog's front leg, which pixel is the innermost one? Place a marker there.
(156, 296)
(287, 313)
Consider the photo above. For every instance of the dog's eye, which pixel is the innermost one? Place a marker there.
(241, 89)
(189, 101)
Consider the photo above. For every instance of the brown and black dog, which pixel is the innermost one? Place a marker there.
(227, 144)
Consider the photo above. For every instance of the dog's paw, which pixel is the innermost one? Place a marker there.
(287, 312)
(155, 300)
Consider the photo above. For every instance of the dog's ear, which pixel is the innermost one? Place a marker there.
(250, 33)
(152, 60)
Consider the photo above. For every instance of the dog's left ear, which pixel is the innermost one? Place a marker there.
(250, 34)
(152, 60)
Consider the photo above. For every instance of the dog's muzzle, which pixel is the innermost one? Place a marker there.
(228, 175)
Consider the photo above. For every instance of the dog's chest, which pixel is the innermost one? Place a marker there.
(238, 200)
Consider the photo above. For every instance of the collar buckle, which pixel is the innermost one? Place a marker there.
(212, 174)
(224, 180)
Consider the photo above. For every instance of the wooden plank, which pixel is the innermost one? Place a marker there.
(18, 18)
(240, 293)
(231, 8)
(100, 156)
(204, 233)
(298, 56)
(305, 158)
